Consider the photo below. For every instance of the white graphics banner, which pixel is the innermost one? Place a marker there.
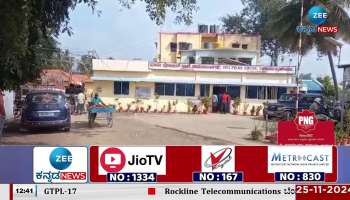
(132, 159)
(60, 165)
(218, 159)
(300, 159)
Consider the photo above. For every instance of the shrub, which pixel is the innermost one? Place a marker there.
(189, 106)
(245, 108)
(148, 108)
(258, 109)
(256, 134)
(252, 111)
(206, 103)
(237, 103)
(169, 107)
(340, 134)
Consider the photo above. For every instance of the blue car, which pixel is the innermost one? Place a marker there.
(44, 109)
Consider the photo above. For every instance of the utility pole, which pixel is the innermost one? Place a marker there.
(342, 99)
(300, 57)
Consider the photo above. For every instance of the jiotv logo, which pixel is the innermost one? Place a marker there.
(60, 165)
(218, 159)
(132, 159)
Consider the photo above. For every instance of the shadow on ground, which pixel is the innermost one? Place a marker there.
(80, 127)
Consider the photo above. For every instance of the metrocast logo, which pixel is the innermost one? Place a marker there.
(60, 165)
(300, 159)
(317, 16)
(218, 159)
(132, 159)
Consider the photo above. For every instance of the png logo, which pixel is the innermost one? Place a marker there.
(132, 159)
(305, 121)
(218, 159)
(60, 165)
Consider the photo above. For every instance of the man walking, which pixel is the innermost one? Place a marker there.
(225, 102)
(2, 111)
(81, 102)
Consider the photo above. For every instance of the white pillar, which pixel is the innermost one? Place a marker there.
(197, 92)
(242, 94)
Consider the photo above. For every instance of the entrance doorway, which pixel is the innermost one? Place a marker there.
(232, 90)
(219, 89)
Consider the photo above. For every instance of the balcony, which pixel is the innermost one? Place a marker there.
(212, 45)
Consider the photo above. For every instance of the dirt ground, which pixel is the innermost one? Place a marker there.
(144, 129)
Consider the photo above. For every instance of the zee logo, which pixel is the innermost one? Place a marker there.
(317, 15)
(61, 158)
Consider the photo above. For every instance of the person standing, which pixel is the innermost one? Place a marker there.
(316, 106)
(96, 101)
(220, 105)
(81, 102)
(215, 101)
(72, 103)
(318, 109)
(2, 111)
(228, 107)
(76, 103)
(224, 102)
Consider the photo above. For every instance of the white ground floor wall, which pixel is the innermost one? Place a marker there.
(164, 103)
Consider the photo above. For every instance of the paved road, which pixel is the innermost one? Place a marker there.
(144, 129)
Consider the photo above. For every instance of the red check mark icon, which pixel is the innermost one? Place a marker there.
(217, 159)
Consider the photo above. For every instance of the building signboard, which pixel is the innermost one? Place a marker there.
(223, 68)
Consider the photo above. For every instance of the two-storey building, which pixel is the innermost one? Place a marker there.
(190, 66)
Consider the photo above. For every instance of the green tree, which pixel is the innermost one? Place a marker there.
(253, 20)
(286, 18)
(59, 59)
(327, 85)
(29, 26)
(307, 76)
(85, 64)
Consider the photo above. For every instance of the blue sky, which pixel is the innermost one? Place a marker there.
(126, 34)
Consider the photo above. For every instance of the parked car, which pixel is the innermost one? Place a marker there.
(46, 109)
(285, 108)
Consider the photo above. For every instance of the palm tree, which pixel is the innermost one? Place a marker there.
(286, 19)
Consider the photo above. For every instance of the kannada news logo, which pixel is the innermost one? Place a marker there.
(218, 158)
(317, 16)
(60, 165)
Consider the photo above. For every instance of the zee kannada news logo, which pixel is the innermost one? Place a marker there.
(61, 159)
(218, 158)
(317, 15)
